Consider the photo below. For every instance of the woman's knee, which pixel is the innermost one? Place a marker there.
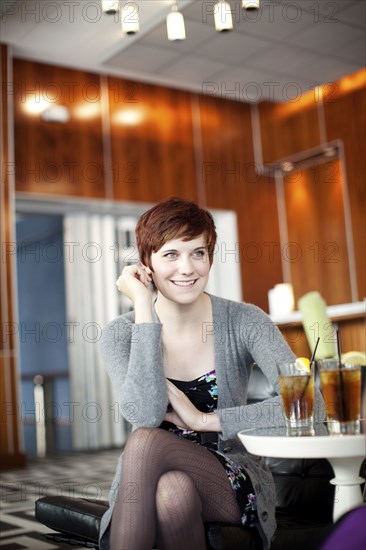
(176, 490)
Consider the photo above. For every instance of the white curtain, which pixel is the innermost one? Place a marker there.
(97, 247)
(225, 279)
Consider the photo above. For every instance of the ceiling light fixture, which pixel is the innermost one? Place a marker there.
(175, 24)
(110, 6)
(130, 18)
(250, 4)
(223, 17)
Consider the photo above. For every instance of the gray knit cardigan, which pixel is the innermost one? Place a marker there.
(242, 334)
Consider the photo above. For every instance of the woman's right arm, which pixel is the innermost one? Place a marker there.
(132, 353)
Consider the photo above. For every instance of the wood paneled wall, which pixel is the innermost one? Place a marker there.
(318, 255)
(345, 115)
(157, 142)
(336, 111)
(230, 179)
(10, 452)
(138, 142)
(51, 157)
(289, 128)
(152, 142)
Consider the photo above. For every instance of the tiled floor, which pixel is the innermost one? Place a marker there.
(81, 474)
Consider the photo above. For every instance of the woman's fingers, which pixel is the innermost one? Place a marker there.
(133, 272)
(133, 281)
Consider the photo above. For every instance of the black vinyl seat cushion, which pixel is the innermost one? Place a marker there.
(77, 520)
(78, 517)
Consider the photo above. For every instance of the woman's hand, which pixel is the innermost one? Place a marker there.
(134, 282)
(185, 415)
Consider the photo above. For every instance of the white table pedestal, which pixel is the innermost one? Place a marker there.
(347, 484)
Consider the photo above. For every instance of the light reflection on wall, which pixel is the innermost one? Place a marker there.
(129, 117)
(87, 111)
(322, 93)
(36, 106)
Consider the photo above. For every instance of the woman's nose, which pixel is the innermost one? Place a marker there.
(185, 266)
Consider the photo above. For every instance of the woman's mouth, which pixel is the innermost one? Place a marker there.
(185, 283)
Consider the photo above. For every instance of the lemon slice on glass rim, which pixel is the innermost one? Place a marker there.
(354, 358)
(303, 363)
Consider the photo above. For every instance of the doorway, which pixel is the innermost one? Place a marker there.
(42, 335)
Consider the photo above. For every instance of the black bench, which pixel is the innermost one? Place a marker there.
(304, 513)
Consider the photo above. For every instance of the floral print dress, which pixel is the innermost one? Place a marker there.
(202, 392)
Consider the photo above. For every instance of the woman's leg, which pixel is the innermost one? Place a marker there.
(169, 486)
(179, 509)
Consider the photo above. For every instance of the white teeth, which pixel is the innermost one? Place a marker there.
(183, 283)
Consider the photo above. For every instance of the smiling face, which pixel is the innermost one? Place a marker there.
(181, 269)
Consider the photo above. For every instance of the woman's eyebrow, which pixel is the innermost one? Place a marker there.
(163, 251)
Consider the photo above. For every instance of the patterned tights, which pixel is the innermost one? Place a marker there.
(169, 487)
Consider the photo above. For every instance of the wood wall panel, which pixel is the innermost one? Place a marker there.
(56, 158)
(335, 112)
(153, 152)
(345, 116)
(162, 155)
(289, 128)
(317, 250)
(232, 183)
(10, 452)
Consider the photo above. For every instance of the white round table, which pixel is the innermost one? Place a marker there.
(344, 452)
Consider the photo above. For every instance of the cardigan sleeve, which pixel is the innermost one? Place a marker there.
(132, 354)
(265, 414)
(262, 339)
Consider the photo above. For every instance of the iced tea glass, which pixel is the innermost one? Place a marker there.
(297, 391)
(341, 388)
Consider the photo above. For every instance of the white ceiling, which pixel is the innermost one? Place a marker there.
(284, 48)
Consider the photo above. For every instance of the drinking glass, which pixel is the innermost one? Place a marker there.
(341, 388)
(297, 391)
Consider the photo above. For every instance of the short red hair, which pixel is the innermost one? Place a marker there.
(174, 218)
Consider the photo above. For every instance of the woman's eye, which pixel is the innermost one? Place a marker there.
(200, 253)
(170, 255)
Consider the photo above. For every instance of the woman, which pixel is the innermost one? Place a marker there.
(180, 365)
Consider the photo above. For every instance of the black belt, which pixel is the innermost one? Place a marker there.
(203, 438)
